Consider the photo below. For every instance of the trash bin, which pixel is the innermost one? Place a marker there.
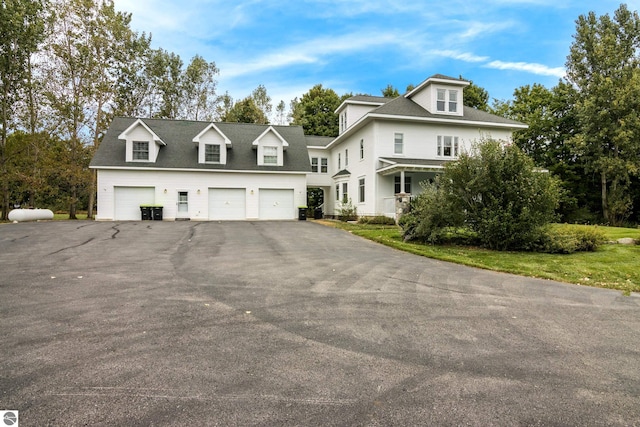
(157, 213)
(317, 213)
(145, 213)
(302, 213)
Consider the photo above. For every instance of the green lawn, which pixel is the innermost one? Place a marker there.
(612, 266)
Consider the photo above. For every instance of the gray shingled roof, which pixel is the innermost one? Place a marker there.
(402, 106)
(182, 153)
(318, 141)
(343, 172)
(369, 98)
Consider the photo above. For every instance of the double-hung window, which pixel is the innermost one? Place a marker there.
(398, 143)
(453, 101)
(441, 101)
(361, 190)
(345, 192)
(446, 101)
(448, 146)
(361, 149)
(270, 155)
(337, 191)
(319, 164)
(212, 153)
(346, 158)
(339, 162)
(324, 165)
(140, 150)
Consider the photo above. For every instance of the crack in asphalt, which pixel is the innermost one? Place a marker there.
(71, 247)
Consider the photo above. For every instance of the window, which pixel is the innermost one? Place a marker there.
(339, 162)
(440, 102)
(407, 184)
(140, 150)
(346, 158)
(212, 153)
(270, 155)
(345, 192)
(361, 190)
(337, 191)
(361, 149)
(453, 101)
(448, 146)
(343, 122)
(398, 143)
(446, 104)
(322, 162)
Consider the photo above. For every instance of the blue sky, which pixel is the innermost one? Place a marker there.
(360, 46)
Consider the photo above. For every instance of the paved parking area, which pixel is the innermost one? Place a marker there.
(293, 323)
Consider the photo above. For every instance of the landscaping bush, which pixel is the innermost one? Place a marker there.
(376, 220)
(347, 212)
(567, 239)
(495, 192)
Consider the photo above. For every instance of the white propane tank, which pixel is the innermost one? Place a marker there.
(21, 215)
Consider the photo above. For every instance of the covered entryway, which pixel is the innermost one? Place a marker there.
(227, 203)
(128, 201)
(276, 204)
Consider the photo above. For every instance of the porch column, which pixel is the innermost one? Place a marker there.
(402, 199)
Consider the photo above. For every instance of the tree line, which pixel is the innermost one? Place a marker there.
(67, 67)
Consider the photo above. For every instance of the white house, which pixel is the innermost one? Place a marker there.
(235, 171)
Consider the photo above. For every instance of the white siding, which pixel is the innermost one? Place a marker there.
(197, 183)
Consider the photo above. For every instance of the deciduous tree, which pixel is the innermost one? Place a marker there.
(603, 65)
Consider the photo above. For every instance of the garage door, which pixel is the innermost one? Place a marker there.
(276, 204)
(129, 199)
(227, 203)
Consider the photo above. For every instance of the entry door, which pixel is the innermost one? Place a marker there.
(183, 204)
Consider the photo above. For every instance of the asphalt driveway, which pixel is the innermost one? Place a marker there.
(292, 323)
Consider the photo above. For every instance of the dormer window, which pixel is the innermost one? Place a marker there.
(213, 145)
(141, 150)
(270, 155)
(442, 96)
(212, 153)
(447, 101)
(453, 101)
(142, 143)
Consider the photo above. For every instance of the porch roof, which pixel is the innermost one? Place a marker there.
(392, 166)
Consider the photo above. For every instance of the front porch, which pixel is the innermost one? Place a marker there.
(400, 181)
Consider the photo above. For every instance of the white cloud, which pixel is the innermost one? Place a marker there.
(310, 52)
(539, 69)
(462, 56)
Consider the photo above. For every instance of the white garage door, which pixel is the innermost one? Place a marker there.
(276, 204)
(227, 203)
(129, 199)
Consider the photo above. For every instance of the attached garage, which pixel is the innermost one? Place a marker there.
(276, 204)
(227, 203)
(128, 201)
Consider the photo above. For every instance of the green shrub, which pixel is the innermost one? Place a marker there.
(347, 212)
(567, 239)
(376, 220)
(495, 192)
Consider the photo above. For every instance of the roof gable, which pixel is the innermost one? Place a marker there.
(140, 122)
(270, 129)
(213, 127)
(436, 78)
